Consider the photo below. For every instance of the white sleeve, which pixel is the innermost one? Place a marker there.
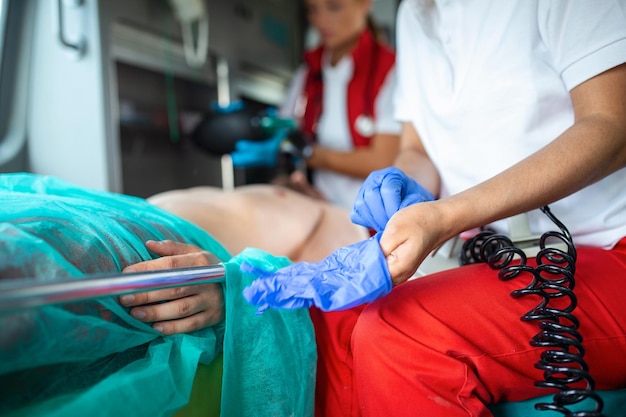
(386, 122)
(584, 37)
(293, 98)
(406, 28)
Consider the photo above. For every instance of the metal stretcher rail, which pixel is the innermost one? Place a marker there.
(17, 294)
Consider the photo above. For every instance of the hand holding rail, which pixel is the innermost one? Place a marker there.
(16, 294)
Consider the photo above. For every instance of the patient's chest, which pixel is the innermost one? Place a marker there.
(279, 220)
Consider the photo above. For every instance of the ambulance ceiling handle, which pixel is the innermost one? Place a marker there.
(77, 49)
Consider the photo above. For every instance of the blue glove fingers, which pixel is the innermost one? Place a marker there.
(383, 193)
(364, 209)
(364, 282)
(245, 154)
(251, 153)
(415, 193)
(391, 193)
(378, 199)
(269, 290)
(350, 276)
(245, 160)
(369, 204)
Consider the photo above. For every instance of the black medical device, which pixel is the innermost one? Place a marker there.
(218, 131)
(562, 362)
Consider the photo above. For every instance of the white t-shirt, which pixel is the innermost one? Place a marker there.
(456, 59)
(333, 131)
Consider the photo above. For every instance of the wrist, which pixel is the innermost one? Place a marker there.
(315, 157)
(437, 219)
(307, 152)
(456, 214)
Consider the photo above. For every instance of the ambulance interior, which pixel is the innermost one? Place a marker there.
(104, 97)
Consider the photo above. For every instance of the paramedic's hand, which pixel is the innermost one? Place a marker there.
(411, 235)
(182, 309)
(251, 153)
(349, 277)
(383, 193)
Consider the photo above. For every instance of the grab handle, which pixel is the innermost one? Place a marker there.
(77, 49)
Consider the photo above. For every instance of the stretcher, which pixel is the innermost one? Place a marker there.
(205, 398)
(52, 327)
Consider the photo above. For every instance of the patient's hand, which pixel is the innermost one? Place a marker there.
(182, 309)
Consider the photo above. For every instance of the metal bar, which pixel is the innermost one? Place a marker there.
(228, 172)
(16, 294)
(223, 83)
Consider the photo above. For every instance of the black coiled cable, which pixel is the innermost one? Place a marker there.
(562, 362)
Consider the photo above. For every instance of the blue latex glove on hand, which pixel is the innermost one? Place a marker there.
(251, 153)
(350, 276)
(382, 194)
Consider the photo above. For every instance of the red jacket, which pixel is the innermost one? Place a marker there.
(372, 63)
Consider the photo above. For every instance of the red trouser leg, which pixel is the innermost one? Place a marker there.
(448, 344)
(335, 395)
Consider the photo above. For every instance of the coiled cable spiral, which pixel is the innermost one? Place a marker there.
(562, 362)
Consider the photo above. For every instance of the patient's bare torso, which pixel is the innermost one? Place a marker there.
(268, 217)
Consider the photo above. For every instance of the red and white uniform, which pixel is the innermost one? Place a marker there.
(328, 99)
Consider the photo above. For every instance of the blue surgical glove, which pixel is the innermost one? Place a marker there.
(350, 276)
(382, 194)
(252, 153)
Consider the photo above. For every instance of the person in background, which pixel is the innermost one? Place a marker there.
(342, 97)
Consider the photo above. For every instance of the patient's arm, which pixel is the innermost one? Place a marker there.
(187, 308)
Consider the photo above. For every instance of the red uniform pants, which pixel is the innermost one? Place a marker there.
(451, 343)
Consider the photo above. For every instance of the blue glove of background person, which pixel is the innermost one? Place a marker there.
(252, 153)
(349, 277)
(382, 194)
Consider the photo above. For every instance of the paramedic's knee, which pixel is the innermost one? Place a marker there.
(384, 321)
(367, 330)
(417, 313)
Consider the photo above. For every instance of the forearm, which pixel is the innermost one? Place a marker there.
(594, 147)
(417, 165)
(359, 162)
(413, 160)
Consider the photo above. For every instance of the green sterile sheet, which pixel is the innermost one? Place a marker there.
(93, 358)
